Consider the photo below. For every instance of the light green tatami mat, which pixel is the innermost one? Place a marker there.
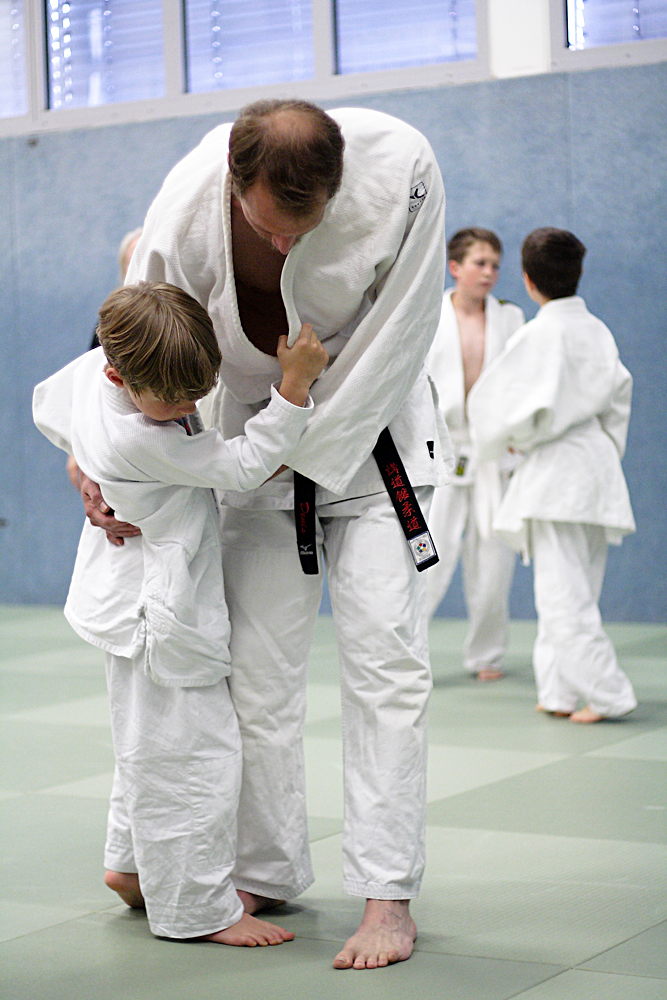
(546, 872)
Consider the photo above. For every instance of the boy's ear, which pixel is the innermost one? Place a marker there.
(453, 266)
(114, 376)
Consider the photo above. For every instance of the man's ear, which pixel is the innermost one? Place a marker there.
(453, 266)
(114, 376)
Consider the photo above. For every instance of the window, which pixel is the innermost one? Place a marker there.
(241, 44)
(103, 51)
(388, 34)
(70, 63)
(13, 86)
(608, 22)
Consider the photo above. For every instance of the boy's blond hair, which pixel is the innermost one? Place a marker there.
(160, 339)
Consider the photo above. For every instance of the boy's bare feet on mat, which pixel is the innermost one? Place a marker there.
(586, 714)
(557, 715)
(126, 884)
(386, 935)
(250, 932)
(489, 674)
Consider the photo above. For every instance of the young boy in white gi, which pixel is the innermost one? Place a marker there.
(473, 329)
(560, 394)
(156, 603)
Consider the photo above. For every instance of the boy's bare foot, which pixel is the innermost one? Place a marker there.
(253, 903)
(586, 714)
(387, 934)
(557, 715)
(489, 674)
(250, 932)
(126, 884)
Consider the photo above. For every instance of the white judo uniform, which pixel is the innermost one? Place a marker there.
(462, 512)
(369, 278)
(560, 394)
(156, 606)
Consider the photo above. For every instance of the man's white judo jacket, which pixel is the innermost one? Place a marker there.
(369, 278)
(170, 602)
(445, 365)
(559, 393)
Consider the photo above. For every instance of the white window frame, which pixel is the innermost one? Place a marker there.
(324, 86)
(565, 60)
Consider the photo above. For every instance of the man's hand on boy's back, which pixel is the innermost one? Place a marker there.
(100, 515)
(301, 364)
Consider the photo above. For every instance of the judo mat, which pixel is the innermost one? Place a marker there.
(546, 868)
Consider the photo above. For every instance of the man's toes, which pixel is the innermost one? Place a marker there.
(343, 960)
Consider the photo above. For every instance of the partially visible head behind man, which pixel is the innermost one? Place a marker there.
(160, 339)
(553, 259)
(293, 147)
(461, 242)
(126, 249)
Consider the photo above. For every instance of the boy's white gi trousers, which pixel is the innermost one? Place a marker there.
(172, 817)
(488, 568)
(378, 601)
(573, 656)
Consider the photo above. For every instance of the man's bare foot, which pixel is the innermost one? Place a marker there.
(126, 884)
(557, 715)
(253, 903)
(489, 674)
(387, 934)
(586, 714)
(250, 932)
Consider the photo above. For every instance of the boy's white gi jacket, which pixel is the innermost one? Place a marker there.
(445, 365)
(162, 592)
(559, 393)
(369, 278)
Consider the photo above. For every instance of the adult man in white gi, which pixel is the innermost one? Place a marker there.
(268, 227)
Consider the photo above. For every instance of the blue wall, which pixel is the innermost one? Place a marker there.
(585, 151)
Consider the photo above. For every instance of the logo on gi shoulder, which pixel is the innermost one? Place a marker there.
(417, 195)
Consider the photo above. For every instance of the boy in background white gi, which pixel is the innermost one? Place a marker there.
(473, 329)
(156, 604)
(560, 394)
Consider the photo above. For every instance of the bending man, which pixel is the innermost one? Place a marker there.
(290, 216)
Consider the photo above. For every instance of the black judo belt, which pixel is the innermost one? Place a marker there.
(405, 503)
(304, 517)
(402, 497)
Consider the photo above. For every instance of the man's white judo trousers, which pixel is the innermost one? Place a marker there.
(379, 608)
(573, 657)
(172, 817)
(488, 568)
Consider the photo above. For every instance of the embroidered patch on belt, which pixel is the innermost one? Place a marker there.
(417, 195)
(422, 549)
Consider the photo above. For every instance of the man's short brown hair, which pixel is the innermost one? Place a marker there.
(553, 259)
(160, 339)
(292, 146)
(460, 243)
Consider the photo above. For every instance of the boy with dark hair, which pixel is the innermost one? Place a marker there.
(156, 604)
(553, 260)
(474, 327)
(560, 394)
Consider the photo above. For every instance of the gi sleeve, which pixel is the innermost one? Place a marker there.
(167, 455)
(616, 417)
(514, 402)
